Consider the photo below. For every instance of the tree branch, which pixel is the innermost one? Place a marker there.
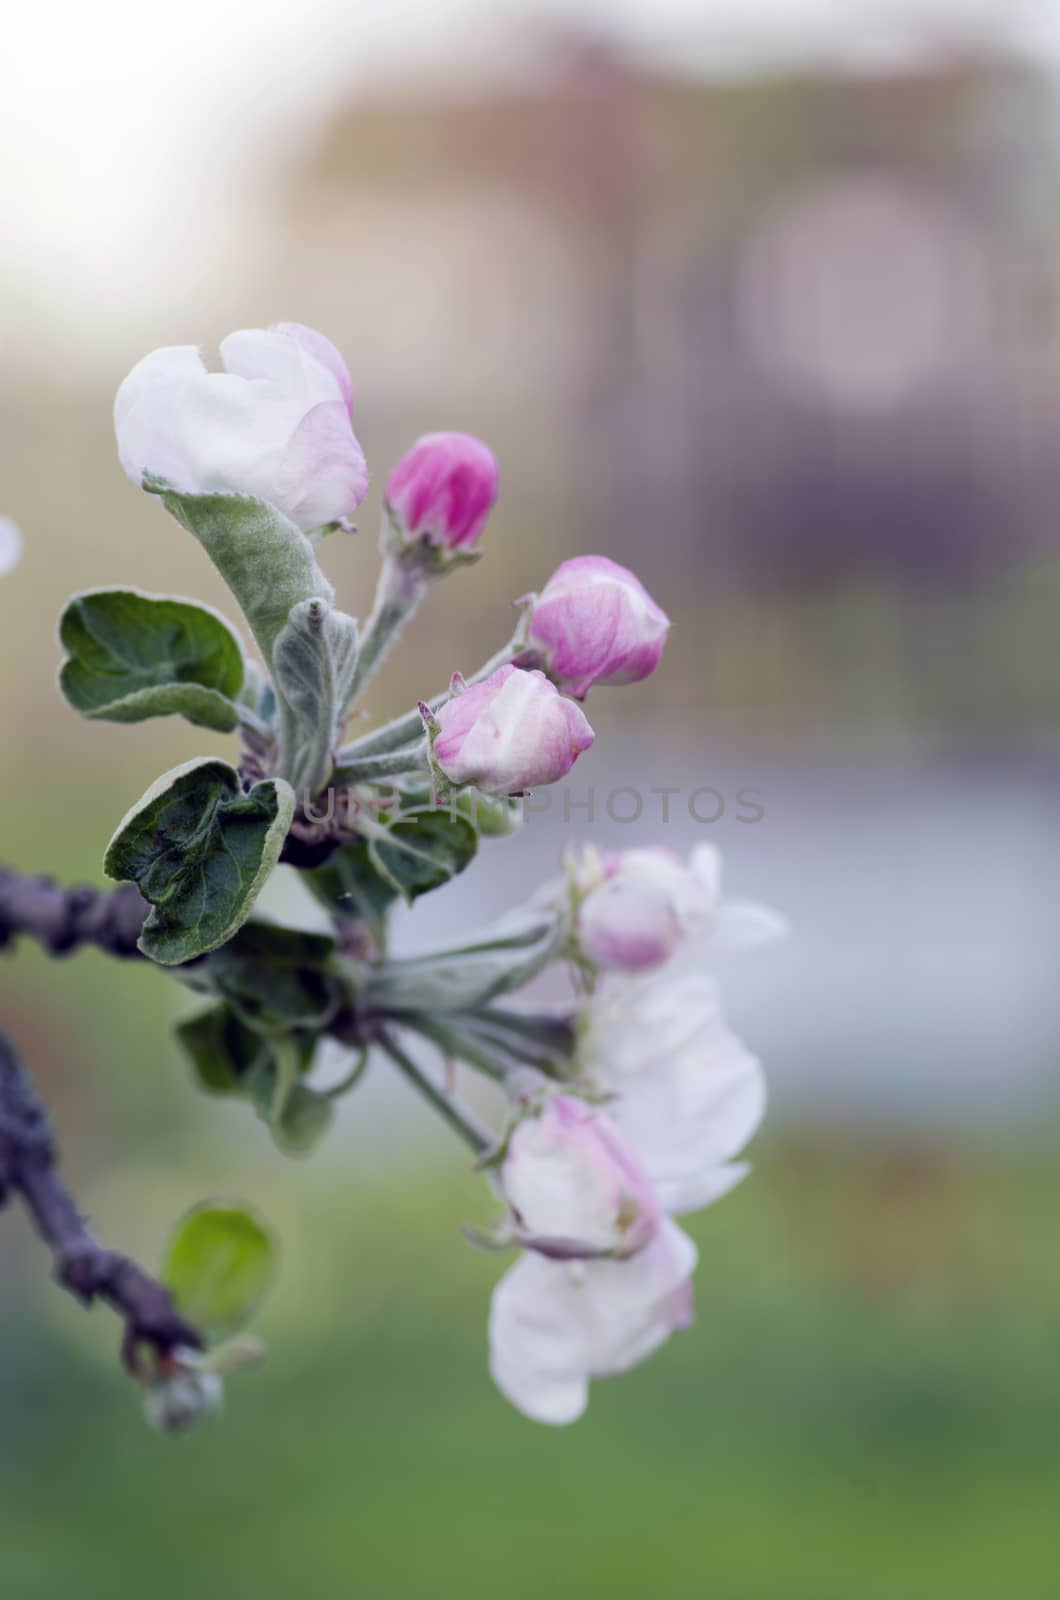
(86, 1268)
(63, 919)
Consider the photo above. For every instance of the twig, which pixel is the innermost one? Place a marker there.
(63, 919)
(461, 1120)
(409, 728)
(86, 1268)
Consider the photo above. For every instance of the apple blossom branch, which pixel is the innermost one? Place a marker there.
(90, 1271)
(61, 920)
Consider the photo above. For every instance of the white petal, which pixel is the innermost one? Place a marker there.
(637, 1024)
(705, 866)
(554, 1325)
(157, 371)
(691, 1117)
(540, 1396)
(636, 1304)
(230, 434)
(714, 1184)
(322, 475)
(539, 1354)
(283, 363)
(744, 925)
(143, 414)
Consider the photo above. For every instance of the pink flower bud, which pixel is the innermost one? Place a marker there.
(573, 1187)
(594, 622)
(630, 923)
(274, 424)
(638, 909)
(512, 732)
(443, 490)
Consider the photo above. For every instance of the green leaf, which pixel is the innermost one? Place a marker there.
(199, 850)
(219, 1264)
(348, 884)
(298, 1118)
(276, 978)
(266, 561)
(296, 1115)
(134, 656)
(422, 850)
(314, 658)
(232, 1059)
(492, 816)
(221, 1049)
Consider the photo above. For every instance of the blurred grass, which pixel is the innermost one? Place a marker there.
(866, 1407)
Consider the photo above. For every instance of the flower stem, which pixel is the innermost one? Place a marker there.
(398, 594)
(454, 1042)
(461, 1121)
(368, 768)
(406, 729)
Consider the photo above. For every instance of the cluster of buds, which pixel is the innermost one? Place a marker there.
(630, 1112)
(277, 424)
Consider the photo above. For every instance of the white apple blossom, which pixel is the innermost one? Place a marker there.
(572, 1185)
(687, 1094)
(640, 909)
(275, 424)
(554, 1325)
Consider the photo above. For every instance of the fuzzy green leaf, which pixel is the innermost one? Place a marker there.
(276, 978)
(492, 816)
(468, 976)
(199, 850)
(266, 561)
(297, 1116)
(314, 658)
(219, 1264)
(134, 655)
(232, 1059)
(222, 1049)
(348, 884)
(422, 850)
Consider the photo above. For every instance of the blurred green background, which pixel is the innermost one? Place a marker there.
(784, 335)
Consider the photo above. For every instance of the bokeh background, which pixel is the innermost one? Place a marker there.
(763, 300)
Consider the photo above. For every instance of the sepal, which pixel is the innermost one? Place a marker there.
(468, 976)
